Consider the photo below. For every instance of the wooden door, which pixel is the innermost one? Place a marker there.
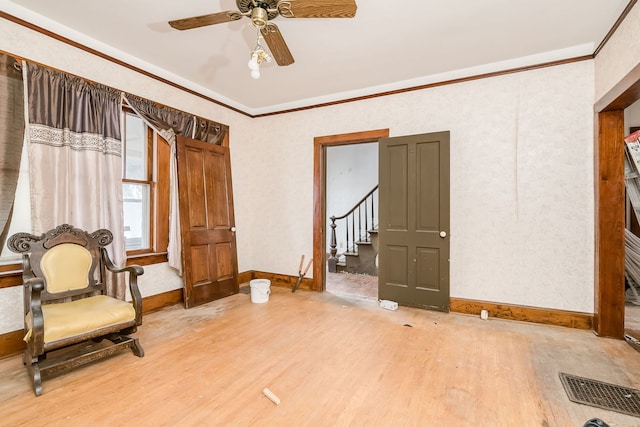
(414, 220)
(209, 259)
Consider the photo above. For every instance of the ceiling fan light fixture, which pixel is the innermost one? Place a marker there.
(254, 66)
(258, 56)
(253, 62)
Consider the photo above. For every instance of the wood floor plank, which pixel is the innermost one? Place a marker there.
(332, 362)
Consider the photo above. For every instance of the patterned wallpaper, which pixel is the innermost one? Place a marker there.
(620, 54)
(521, 181)
(521, 174)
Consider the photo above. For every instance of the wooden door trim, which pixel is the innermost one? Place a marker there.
(609, 295)
(319, 168)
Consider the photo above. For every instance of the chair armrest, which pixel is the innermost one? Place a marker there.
(134, 271)
(33, 288)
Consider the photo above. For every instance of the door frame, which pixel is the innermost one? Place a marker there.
(319, 176)
(609, 298)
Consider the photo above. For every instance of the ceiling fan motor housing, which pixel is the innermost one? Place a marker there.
(259, 17)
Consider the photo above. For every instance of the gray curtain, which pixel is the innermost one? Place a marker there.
(75, 159)
(11, 137)
(209, 131)
(61, 101)
(162, 118)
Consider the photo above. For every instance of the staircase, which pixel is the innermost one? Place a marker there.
(362, 261)
(360, 230)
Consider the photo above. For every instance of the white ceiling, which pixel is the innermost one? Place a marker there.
(388, 45)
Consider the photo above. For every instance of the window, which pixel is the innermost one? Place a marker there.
(137, 183)
(145, 190)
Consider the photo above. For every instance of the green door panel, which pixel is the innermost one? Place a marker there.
(414, 220)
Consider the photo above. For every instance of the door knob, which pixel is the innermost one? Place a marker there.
(443, 234)
(233, 229)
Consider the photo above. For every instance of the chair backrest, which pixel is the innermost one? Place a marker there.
(67, 258)
(66, 267)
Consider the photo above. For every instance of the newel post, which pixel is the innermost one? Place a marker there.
(333, 260)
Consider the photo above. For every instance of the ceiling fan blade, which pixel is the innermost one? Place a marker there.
(317, 8)
(277, 46)
(204, 20)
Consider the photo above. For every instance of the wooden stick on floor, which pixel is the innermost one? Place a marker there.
(271, 396)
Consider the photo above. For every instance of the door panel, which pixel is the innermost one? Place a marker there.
(224, 256)
(200, 264)
(397, 183)
(414, 210)
(217, 194)
(398, 266)
(206, 214)
(428, 269)
(428, 171)
(195, 175)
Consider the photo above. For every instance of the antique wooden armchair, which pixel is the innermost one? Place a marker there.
(67, 312)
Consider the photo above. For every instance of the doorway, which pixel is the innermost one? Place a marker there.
(632, 281)
(351, 221)
(320, 232)
(609, 205)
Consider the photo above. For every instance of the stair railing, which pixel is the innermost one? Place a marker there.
(358, 221)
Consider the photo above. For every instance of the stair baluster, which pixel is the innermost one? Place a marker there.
(347, 230)
(373, 224)
(366, 222)
(353, 250)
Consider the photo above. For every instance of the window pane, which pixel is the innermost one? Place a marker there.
(136, 215)
(135, 148)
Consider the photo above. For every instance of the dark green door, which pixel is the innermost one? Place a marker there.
(414, 220)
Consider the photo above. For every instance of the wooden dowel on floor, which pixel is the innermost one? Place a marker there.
(272, 397)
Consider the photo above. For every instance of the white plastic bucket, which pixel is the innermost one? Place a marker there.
(260, 290)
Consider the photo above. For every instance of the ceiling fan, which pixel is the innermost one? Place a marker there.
(262, 11)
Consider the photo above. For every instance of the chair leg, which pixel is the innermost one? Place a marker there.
(34, 372)
(131, 342)
(37, 380)
(136, 348)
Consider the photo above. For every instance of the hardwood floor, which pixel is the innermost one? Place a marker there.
(332, 362)
(352, 285)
